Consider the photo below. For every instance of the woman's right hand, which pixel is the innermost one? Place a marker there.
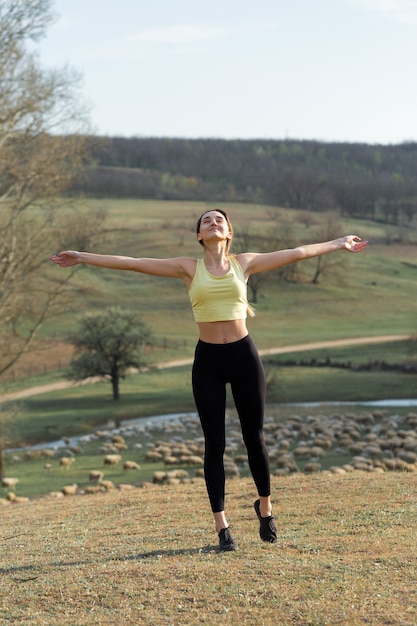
(66, 258)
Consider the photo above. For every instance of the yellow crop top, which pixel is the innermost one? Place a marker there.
(219, 298)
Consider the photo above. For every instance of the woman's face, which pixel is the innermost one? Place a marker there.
(214, 225)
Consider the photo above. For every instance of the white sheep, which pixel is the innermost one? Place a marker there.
(75, 450)
(89, 489)
(152, 455)
(316, 452)
(410, 444)
(172, 481)
(131, 465)
(312, 467)
(47, 453)
(282, 471)
(302, 452)
(118, 439)
(162, 451)
(178, 473)
(95, 476)
(107, 484)
(108, 448)
(194, 460)
(335, 469)
(55, 494)
(66, 461)
(17, 499)
(112, 459)
(159, 478)
(70, 490)
(10, 483)
(231, 470)
(171, 460)
(120, 446)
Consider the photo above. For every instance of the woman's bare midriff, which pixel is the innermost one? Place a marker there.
(222, 332)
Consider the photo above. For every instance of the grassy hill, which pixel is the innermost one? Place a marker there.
(368, 294)
(345, 556)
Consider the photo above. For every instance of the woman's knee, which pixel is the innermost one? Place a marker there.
(214, 448)
(254, 442)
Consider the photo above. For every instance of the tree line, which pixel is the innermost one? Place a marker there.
(377, 182)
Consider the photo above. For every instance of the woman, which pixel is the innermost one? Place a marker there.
(225, 352)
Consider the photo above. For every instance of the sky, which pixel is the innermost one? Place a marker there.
(326, 70)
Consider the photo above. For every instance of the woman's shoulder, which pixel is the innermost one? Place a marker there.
(241, 259)
(189, 265)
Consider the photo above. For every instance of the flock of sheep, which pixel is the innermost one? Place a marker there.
(371, 441)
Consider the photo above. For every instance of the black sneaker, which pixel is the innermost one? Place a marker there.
(267, 529)
(226, 541)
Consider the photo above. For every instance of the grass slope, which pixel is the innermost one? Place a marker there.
(346, 556)
(368, 294)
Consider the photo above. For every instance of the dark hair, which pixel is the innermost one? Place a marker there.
(229, 223)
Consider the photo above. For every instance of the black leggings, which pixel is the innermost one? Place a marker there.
(237, 363)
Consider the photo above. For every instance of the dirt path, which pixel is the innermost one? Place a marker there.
(32, 391)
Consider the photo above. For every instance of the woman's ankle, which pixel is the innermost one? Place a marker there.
(265, 506)
(220, 521)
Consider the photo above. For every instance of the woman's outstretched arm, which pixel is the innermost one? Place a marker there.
(178, 267)
(253, 262)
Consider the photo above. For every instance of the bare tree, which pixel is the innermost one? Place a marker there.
(298, 187)
(43, 144)
(277, 238)
(6, 421)
(330, 229)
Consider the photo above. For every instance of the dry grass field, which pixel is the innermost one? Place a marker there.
(346, 556)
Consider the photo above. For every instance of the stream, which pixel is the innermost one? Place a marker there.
(159, 420)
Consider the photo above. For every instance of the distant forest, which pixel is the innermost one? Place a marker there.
(377, 182)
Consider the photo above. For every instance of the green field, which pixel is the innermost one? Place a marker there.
(370, 294)
(81, 409)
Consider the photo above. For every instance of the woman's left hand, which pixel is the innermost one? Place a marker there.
(353, 243)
